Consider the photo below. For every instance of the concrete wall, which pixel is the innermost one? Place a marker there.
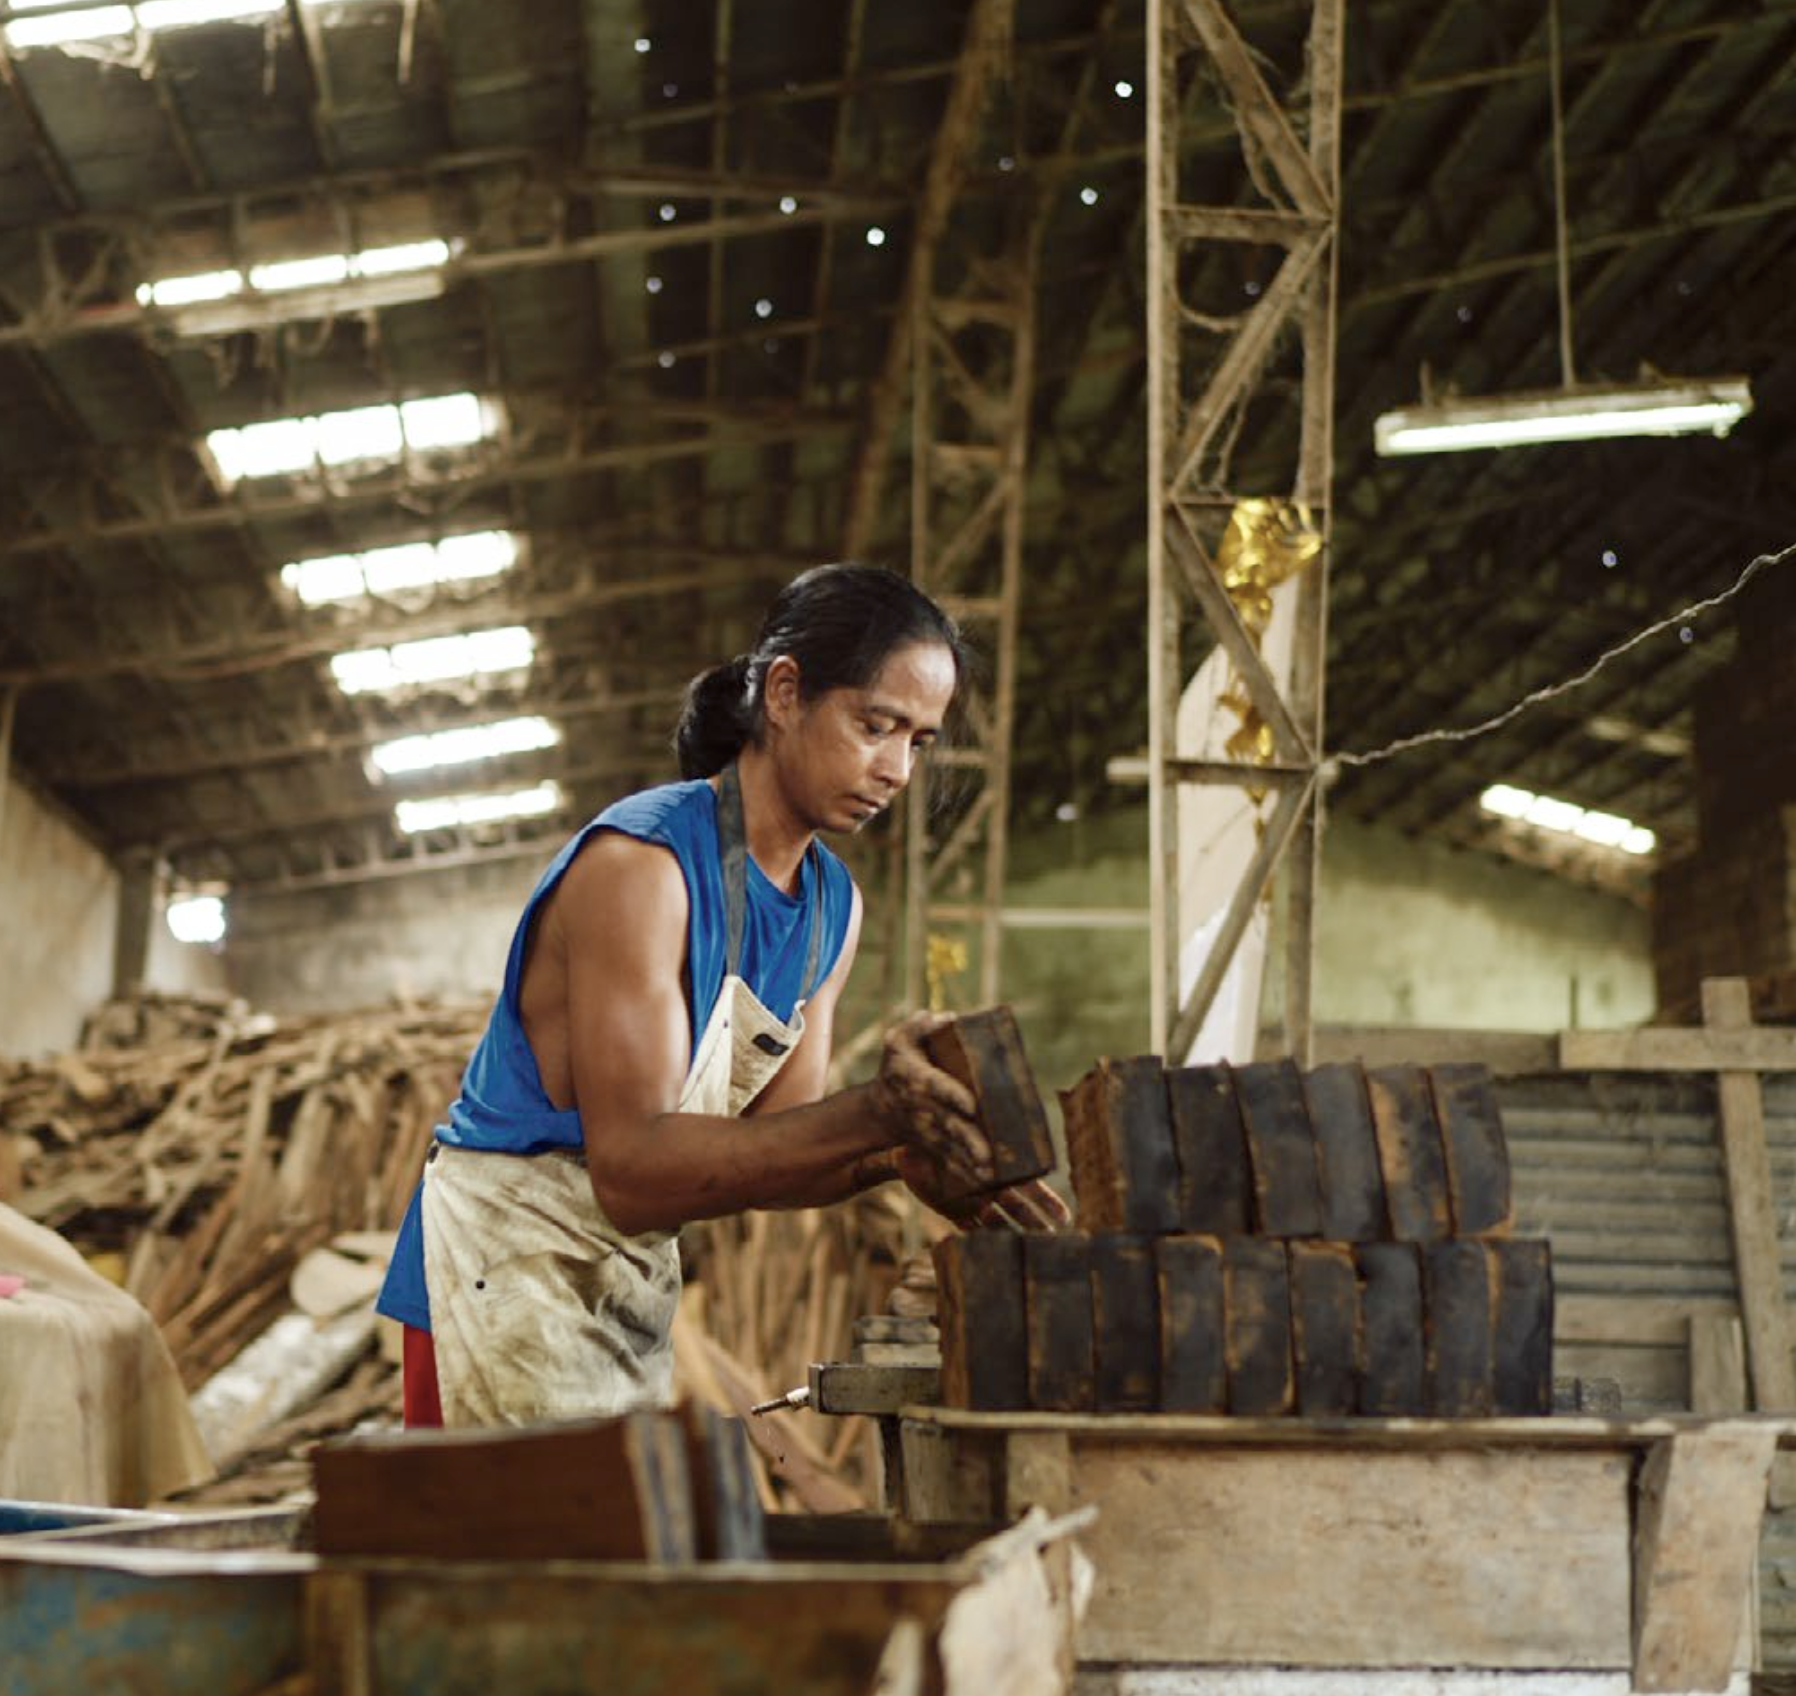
(1419, 933)
(1411, 934)
(59, 908)
(440, 934)
(58, 912)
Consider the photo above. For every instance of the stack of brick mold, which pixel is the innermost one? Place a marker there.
(1261, 1241)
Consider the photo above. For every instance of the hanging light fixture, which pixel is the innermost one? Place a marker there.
(1573, 412)
(1577, 414)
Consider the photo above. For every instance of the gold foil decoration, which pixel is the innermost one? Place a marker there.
(1268, 542)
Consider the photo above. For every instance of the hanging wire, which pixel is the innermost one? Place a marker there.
(1425, 738)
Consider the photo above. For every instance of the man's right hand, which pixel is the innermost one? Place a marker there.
(928, 1109)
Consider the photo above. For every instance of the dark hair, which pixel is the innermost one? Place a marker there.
(841, 623)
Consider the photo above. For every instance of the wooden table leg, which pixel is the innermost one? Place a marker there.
(1696, 1546)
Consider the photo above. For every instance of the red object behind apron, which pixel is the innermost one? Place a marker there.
(418, 1374)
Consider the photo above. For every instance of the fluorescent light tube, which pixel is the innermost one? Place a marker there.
(300, 273)
(1565, 415)
(184, 14)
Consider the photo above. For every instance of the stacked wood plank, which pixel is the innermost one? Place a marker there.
(208, 1159)
(150, 1018)
(1261, 1241)
(213, 1162)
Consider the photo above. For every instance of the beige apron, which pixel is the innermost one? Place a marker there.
(540, 1307)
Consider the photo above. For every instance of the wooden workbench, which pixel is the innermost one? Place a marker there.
(1623, 1552)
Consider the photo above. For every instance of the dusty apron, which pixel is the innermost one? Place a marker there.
(540, 1307)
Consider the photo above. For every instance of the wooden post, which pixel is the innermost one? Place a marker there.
(339, 1649)
(1727, 1005)
(1038, 1472)
(1696, 1544)
(1717, 1365)
(12, 1168)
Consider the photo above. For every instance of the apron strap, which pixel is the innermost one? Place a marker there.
(814, 948)
(732, 840)
(732, 836)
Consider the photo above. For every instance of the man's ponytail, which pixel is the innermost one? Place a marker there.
(716, 720)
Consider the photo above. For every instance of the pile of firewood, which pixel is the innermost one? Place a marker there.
(209, 1159)
(213, 1162)
(150, 1019)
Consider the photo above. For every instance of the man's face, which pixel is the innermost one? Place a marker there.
(853, 751)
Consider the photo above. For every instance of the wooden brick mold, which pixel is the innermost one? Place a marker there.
(1193, 1361)
(981, 1313)
(1325, 1327)
(1477, 1156)
(1353, 1204)
(1257, 1327)
(613, 1489)
(1125, 1310)
(1410, 1155)
(984, 1051)
(1057, 1277)
(1210, 1144)
(1119, 1144)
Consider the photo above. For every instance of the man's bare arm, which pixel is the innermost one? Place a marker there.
(624, 909)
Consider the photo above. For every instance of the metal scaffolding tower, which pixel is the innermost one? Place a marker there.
(972, 384)
(1293, 184)
(973, 352)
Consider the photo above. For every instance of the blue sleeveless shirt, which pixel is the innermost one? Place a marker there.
(503, 1106)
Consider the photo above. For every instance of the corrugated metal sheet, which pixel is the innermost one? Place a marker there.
(1623, 1173)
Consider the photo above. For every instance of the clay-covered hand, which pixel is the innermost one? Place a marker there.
(930, 1111)
(1031, 1206)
